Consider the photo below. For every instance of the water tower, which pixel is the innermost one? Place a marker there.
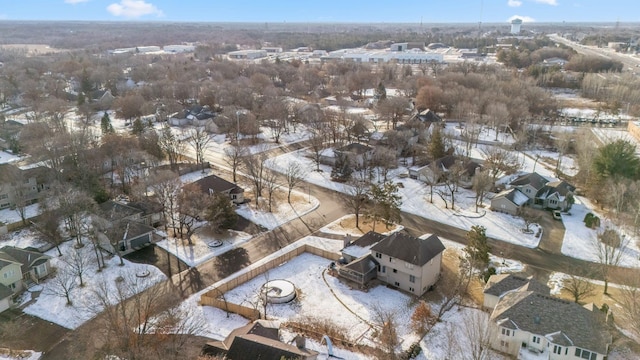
(515, 26)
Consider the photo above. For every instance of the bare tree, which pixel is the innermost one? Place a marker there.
(233, 156)
(199, 139)
(77, 264)
(191, 209)
(317, 145)
(477, 333)
(49, 226)
(609, 247)
(387, 324)
(432, 176)
(530, 216)
(295, 175)
(62, 285)
(630, 303)
(270, 184)
(563, 142)
(171, 145)
(165, 187)
(498, 161)
(357, 197)
(255, 165)
(482, 182)
(579, 287)
(139, 323)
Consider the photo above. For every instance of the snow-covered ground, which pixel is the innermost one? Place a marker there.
(9, 216)
(486, 133)
(23, 238)
(205, 246)
(282, 212)
(502, 264)
(580, 241)
(24, 355)
(337, 228)
(415, 199)
(6, 157)
(51, 307)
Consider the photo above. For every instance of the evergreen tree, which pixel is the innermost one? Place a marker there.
(341, 170)
(81, 99)
(386, 202)
(436, 148)
(138, 127)
(105, 124)
(221, 214)
(381, 91)
(477, 249)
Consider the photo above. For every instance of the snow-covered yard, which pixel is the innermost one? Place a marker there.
(51, 307)
(6, 157)
(415, 199)
(205, 245)
(10, 216)
(580, 241)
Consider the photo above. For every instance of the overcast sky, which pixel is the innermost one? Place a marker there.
(412, 11)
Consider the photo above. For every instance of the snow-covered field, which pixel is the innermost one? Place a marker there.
(579, 241)
(51, 307)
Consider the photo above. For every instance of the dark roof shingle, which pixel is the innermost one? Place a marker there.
(410, 249)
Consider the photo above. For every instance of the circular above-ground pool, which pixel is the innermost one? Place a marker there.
(278, 291)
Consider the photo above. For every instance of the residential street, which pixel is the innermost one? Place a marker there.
(541, 262)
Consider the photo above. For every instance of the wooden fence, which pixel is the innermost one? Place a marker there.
(213, 296)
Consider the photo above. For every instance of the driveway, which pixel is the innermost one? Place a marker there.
(30, 332)
(553, 233)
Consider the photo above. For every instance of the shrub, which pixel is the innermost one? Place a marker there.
(591, 221)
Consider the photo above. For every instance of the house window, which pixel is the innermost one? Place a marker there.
(378, 255)
(4, 196)
(412, 278)
(390, 259)
(384, 269)
(412, 289)
(408, 265)
(536, 339)
(506, 332)
(397, 284)
(585, 354)
(528, 191)
(395, 271)
(557, 349)
(553, 202)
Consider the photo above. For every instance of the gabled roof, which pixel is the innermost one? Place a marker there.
(514, 195)
(126, 230)
(410, 249)
(429, 116)
(6, 259)
(561, 187)
(217, 184)
(558, 320)
(355, 148)
(114, 211)
(363, 244)
(362, 265)
(534, 179)
(25, 258)
(502, 283)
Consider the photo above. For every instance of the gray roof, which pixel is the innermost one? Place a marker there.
(26, 258)
(500, 284)
(355, 148)
(410, 249)
(368, 239)
(514, 195)
(127, 230)
(114, 211)
(534, 179)
(362, 265)
(558, 320)
(561, 188)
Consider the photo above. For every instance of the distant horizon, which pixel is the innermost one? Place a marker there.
(328, 11)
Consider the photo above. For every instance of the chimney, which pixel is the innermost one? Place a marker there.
(300, 342)
(347, 240)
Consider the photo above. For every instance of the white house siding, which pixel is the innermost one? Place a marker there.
(490, 301)
(11, 275)
(5, 304)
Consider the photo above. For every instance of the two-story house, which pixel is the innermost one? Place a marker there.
(405, 262)
(19, 267)
(527, 320)
(358, 154)
(538, 192)
(436, 171)
(16, 186)
(125, 227)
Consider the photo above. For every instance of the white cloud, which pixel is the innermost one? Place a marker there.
(73, 2)
(548, 2)
(525, 19)
(514, 3)
(133, 9)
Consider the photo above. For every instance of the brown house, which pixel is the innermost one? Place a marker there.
(214, 184)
